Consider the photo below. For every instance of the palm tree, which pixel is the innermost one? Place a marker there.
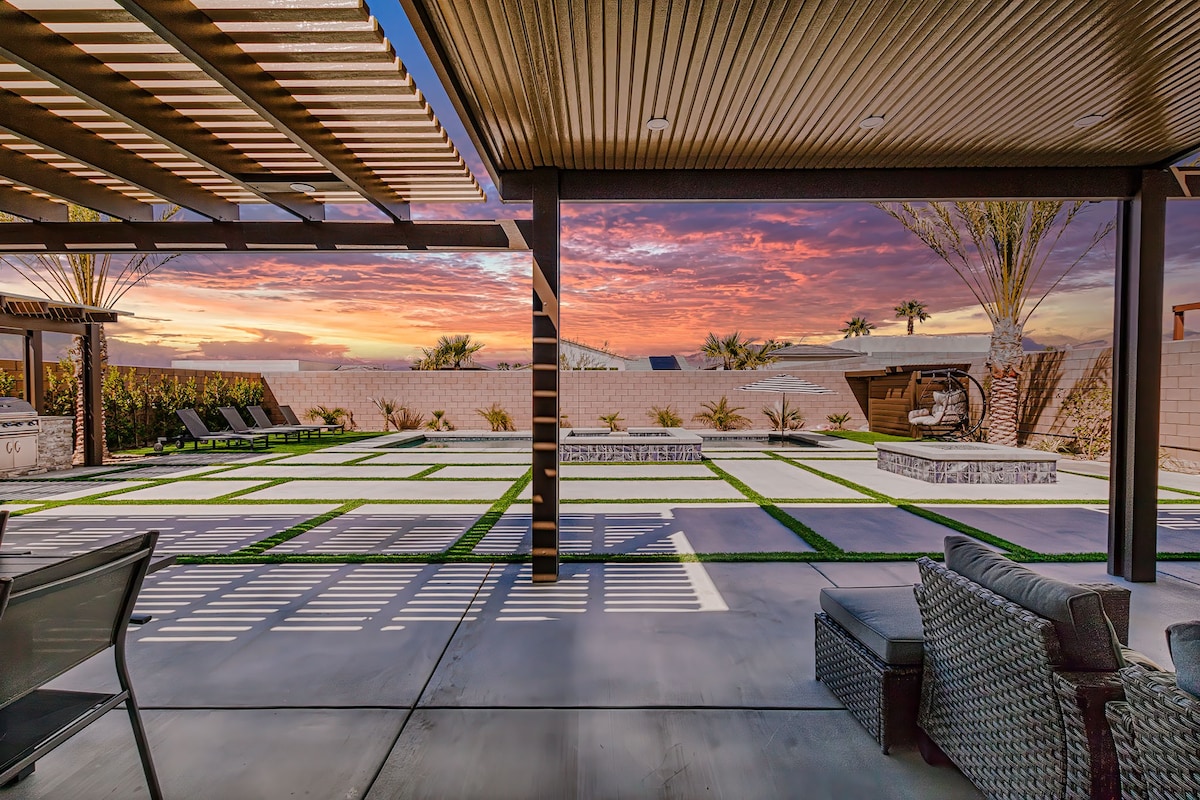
(1000, 249)
(913, 311)
(450, 352)
(857, 326)
(727, 348)
(89, 279)
(753, 357)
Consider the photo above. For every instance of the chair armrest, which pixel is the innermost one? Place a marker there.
(1115, 601)
(1090, 746)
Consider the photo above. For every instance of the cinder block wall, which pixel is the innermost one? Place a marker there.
(585, 394)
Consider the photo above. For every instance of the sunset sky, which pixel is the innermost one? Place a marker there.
(646, 279)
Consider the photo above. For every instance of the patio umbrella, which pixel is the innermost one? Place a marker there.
(784, 385)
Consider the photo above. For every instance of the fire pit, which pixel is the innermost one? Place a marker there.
(18, 435)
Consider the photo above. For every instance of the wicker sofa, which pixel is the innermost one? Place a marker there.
(1157, 726)
(1006, 695)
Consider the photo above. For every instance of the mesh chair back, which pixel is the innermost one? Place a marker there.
(195, 426)
(61, 615)
(260, 417)
(236, 423)
(3, 524)
(289, 416)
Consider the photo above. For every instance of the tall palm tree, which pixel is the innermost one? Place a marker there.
(89, 279)
(755, 356)
(729, 348)
(1000, 249)
(450, 352)
(857, 326)
(913, 311)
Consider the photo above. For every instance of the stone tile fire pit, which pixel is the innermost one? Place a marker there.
(966, 462)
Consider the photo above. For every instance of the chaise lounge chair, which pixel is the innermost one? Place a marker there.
(290, 418)
(239, 425)
(198, 432)
(262, 422)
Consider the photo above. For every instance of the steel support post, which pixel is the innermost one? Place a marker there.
(1137, 376)
(545, 375)
(35, 379)
(93, 408)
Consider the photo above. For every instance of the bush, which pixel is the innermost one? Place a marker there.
(439, 422)
(721, 416)
(785, 419)
(612, 420)
(8, 384)
(1091, 409)
(838, 421)
(404, 419)
(497, 417)
(330, 416)
(666, 417)
(140, 408)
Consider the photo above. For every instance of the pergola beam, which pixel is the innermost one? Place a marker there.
(192, 33)
(209, 237)
(46, 129)
(841, 185)
(546, 338)
(28, 206)
(53, 58)
(38, 175)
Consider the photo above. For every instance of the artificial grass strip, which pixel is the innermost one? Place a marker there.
(467, 542)
(966, 530)
(857, 487)
(814, 539)
(304, 527)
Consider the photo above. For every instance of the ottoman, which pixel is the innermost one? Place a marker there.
(869, 645)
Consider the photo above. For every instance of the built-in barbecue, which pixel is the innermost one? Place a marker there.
(18, 435)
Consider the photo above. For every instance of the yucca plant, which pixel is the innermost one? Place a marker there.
(386, 407)
(666, 417)
(784, 418)
(497, 417)
(722, 416)
(612, 420)
(439, 422)
(405, 419)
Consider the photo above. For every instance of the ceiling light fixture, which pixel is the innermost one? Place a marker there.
(1089, 120)
(658, 123)
(872, 122)
(302, 187)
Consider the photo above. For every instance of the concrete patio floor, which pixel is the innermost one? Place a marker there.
(628, 678)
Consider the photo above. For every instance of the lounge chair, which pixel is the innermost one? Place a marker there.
(198, 432)
(290, 418)
(239, 425)
(262, 422)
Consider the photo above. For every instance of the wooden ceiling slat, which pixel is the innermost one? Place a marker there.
(58, 183)
(37, 125)
(31, 207)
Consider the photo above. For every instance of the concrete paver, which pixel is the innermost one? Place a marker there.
(387, 528)
(189, 490)
(381, 490)
(778, 479)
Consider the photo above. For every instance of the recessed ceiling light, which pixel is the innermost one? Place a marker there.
(1089, 120)
(302, 187)
(873, 121)
(657, 123)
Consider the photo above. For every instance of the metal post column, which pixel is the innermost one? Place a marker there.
(93, 443)
(1137, 376)
(35, 379)
(545, 374)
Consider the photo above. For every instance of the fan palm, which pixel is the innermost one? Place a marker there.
(999, 249)
(728, 348)
(90, 279)
(857, 326)
(450, 352)
(913, 311)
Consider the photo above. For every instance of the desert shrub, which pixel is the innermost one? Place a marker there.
(1091, 410)
(386, 407)
(497, 418)
(439, 422)
(612, 420)
(666, 417)
(784, 419)
(838, 421)
(405, 419)
(8, 384)
(1050, 444)
(329, 415)
(722, 416)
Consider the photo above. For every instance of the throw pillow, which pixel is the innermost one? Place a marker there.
(1183, 640)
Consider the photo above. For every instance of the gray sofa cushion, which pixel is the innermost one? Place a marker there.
(884, 618)
(1086, 637)
(1183, 640)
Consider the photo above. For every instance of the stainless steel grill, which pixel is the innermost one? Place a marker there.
(18, 434)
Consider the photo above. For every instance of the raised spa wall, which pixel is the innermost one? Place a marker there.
(656, 444)
(955, 462)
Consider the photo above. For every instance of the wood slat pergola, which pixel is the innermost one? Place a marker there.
(800, 100)
(30, 317)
